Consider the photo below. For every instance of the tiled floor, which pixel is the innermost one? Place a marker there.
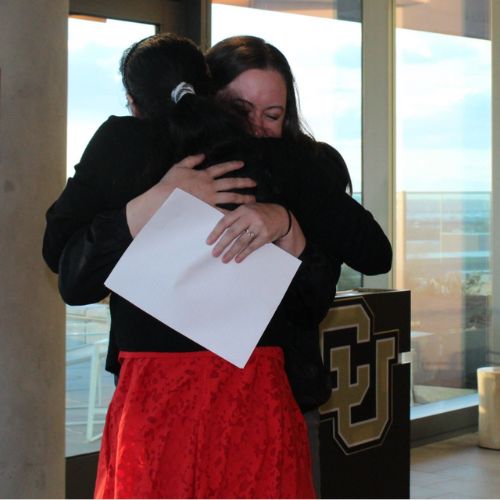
(455, 468)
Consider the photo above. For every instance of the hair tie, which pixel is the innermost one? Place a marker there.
(289, 225)
(180, 91)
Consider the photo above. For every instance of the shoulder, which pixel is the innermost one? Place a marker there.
(130, 123)
(121, 126)
(306, 148)
(117, 144)
(319, 159)
(117, 134)
(328, 152)
(327, 160)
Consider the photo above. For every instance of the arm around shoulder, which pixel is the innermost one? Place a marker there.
(89, 257)
(88, 192)
(346, 231)
(365, 246)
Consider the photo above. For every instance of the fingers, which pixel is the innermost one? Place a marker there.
(238, 247)
(223, 168)
(215, 170)
(240, 232)
(239, 244)
(244, 245)
(236, 198)
(256, 243)
(225, 190)
(225, 233)
(191, 161)
(231, 183)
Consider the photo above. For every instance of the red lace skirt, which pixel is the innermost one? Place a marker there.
(191, 425)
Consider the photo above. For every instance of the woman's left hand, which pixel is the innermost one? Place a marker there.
(248, 227)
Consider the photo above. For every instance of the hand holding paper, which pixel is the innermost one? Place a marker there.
(170, 273)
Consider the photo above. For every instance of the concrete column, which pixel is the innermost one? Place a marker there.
(33, 66)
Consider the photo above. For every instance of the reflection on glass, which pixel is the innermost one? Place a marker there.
(323, 46)
(443, 76)
(95, 92)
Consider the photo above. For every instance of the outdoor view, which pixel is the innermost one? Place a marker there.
(443, 205)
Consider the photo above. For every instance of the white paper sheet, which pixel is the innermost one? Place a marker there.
(169, 272)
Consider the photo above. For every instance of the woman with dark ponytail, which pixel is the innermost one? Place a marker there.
(183, 422)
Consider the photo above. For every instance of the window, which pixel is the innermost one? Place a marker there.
(323, 47)
(443, 172)
(95, 92)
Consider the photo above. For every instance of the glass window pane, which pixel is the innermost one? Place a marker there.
(95, 92)
(443, 81)
(326, 61)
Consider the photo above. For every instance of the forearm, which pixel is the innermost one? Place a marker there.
(74, 209)
(363, 244)
(346, 231)
(213, 185)
(89, 257)
(293, 241)
(313, 186)
(369, 251)
(140, 209)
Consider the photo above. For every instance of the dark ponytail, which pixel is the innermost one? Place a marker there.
(154, 66)
(198, 124)
(194, 123)
(151, 69)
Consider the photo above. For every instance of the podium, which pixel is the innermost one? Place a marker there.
(365, 425)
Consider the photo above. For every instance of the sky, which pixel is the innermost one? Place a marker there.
(443, 90)
(95, 90)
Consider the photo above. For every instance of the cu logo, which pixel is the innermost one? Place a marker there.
(360, 361)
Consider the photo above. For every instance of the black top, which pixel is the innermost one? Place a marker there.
(87, 231)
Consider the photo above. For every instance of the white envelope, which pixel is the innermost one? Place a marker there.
(169, 272)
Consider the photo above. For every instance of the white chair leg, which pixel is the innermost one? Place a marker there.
(94, 377)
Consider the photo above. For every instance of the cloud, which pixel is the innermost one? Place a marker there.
(83, 34)
(448, 69)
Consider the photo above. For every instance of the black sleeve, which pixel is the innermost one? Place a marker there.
(342, 226)
(333, 165)
(106, 178)
(82, 198)
(89, 257)
(329, 217)
(312, 289)
(355, 236)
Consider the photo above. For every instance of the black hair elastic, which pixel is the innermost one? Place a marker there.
(289, 224)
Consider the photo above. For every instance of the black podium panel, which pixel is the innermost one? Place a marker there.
(365, 426)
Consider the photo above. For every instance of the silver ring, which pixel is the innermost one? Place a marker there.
(250, 233)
